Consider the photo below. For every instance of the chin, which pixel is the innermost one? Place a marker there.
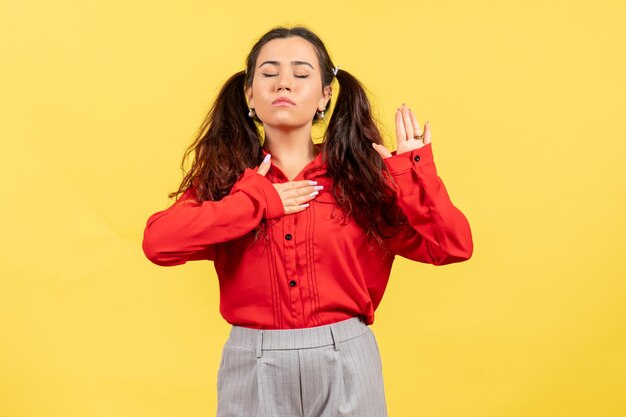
(283, 122)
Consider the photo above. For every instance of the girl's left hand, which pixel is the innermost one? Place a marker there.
(407, 131)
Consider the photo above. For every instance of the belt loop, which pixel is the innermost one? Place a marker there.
(259, 343)
(332, 335)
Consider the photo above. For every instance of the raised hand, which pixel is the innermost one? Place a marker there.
(294, 194)
(407, 133)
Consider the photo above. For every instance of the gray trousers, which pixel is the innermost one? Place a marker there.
(325, 371)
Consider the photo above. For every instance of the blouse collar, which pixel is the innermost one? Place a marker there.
(315, 168)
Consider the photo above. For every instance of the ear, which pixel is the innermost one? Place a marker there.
(326, 93)
(248, 93)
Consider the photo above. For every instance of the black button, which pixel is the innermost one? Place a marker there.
(288, 236)
(292, 283)
(416, 158)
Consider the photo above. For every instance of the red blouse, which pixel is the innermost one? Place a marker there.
(310, 270)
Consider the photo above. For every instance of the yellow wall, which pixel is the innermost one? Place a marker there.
(526, 101)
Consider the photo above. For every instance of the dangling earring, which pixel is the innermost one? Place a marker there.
(321, 114)
(251, 113)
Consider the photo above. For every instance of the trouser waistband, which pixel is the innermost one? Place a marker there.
(310, 337)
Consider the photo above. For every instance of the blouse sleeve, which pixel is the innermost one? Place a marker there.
(189, 230)
(437, 232)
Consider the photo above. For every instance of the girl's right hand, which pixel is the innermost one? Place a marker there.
(294, 194)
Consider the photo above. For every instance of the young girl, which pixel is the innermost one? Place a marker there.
(303, 235)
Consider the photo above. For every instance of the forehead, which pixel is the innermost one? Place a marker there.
(286, 50)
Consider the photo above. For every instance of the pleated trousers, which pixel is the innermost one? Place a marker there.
(333, 370)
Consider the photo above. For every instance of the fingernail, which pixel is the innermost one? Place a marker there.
(311, 182)
(304, 205)
(318, 187)
(314, 193)
(267, 158)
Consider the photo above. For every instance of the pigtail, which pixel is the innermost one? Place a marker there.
(358, 171)
(226, 143)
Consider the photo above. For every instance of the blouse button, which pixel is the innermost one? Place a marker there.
(288, 236)
(416, 158)
(292, 283)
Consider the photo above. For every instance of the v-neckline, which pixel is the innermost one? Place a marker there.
(315, 161)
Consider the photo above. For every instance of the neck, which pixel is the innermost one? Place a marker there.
(291, 149)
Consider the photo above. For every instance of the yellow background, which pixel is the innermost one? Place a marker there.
(526, 100)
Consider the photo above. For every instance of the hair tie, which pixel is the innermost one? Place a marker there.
(336, 70)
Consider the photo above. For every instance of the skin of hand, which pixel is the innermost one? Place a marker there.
(294, 194)
(406, 129)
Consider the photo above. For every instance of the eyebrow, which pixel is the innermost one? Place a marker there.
(292, 63)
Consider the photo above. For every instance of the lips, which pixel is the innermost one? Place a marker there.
(283, 101)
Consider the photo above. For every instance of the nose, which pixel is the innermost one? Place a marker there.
(284, 81)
